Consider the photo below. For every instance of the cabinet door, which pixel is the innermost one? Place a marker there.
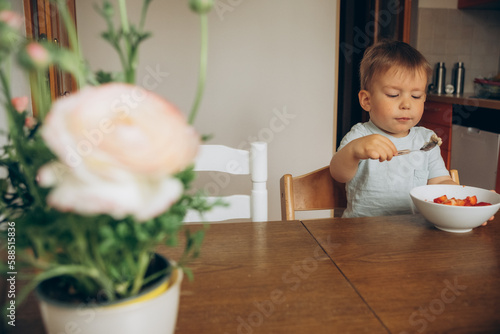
(43, 22)
(437, 117)
(478, 4)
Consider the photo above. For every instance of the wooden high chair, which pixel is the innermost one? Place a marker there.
(316, 190)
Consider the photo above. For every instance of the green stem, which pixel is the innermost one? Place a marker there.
(96, 254)
(5, 85)
(143, 14)
(129, 66)
(80, 237)
(8, 98)
(124, 17)
(41, 94)
(16, 140)
(73, 40)
(139, 278)
(123, 59)
(203, 68)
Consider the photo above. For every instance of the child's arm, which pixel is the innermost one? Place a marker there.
(344, 163)
(441, 180)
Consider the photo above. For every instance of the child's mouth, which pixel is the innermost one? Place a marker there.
(403, 119)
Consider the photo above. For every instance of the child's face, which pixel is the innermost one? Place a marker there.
(395, 100)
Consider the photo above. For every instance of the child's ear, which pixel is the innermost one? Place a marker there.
(364, 100)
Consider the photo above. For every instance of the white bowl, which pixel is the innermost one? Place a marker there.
(454, 218)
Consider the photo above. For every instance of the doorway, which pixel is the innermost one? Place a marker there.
(363, 23)
(43, 23)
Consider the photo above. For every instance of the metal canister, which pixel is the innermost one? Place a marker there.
(458, 77)
(440, 78)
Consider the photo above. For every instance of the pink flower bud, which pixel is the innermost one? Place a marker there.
(20, 103)
(11, 18)
(29, 122)
(38, 54)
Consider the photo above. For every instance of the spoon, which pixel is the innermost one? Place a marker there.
(427, 147)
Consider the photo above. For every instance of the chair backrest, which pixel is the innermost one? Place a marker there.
(316, 190)
(253, 162)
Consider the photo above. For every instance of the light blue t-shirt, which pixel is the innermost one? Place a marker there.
(383, 188)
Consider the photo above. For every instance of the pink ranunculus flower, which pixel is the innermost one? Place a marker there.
(118, 146)
(20, 103)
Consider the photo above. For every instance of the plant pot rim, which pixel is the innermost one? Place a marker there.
(170, 276)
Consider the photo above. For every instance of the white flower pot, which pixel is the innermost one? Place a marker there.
(152, 312)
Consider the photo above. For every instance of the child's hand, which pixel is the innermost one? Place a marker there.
(486, 223)
(491, 218)
(374, 147)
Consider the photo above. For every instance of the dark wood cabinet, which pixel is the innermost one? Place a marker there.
(478, 4)
(438, 117)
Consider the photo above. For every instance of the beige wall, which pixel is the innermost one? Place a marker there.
(438, 4)
(19, 82)
(271, 75)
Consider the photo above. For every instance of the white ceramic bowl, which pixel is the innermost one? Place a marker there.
(454, 218)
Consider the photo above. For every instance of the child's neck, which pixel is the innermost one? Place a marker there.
(395, 135)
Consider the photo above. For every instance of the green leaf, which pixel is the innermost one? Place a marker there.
(122, 230)
(104, 77)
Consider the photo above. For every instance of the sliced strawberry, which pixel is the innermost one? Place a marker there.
(468, 201)
(441, 199)
(450, 201)
(472, 200)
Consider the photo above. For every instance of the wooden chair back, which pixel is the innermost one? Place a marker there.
(316, 190)
(252, 162)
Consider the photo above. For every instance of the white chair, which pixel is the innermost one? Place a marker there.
(219, 158)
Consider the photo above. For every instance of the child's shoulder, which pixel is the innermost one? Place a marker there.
(357, 131)
(361, 128)
(422, 130)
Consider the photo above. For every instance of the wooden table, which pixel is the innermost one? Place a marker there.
(365, 275)
(259, 278)
(416, 278)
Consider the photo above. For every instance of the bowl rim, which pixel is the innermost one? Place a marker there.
(454, 206)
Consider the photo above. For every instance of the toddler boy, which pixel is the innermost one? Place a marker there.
(394, 78)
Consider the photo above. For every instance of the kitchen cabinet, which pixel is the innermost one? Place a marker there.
(439, 116)
(478, 4)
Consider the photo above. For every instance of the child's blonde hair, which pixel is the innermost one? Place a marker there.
(381, 56)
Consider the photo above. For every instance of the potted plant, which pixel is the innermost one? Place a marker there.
(96, 182)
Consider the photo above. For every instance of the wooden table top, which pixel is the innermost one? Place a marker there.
(269, 278)
(258, 278)
(363, 275)
(416, 278)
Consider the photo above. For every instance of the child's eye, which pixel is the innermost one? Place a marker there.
(416, 97)
(392, 95)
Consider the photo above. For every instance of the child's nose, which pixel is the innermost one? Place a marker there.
(405, 103)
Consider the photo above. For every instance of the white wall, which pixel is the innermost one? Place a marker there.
(271, 74)
(19, 80)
